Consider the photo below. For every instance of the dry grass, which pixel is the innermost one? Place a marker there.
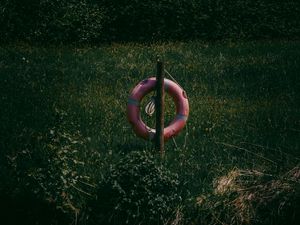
(254, 197)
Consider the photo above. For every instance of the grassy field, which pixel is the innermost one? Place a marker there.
(69, 154)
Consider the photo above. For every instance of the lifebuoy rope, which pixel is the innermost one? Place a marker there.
(150, 106)
(172, 78)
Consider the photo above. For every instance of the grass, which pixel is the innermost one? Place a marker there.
(63, 121)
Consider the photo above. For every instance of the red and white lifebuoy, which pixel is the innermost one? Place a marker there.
(133, 108)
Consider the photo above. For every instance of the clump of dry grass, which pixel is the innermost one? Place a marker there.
(254, 197)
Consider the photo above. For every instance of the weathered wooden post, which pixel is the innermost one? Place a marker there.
(159, 105)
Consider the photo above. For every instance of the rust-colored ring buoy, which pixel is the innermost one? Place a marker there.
(133, 108)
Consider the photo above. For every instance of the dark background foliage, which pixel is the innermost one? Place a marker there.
(50, 20)
(141, 20)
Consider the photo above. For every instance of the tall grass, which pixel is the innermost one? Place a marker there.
(64, 132)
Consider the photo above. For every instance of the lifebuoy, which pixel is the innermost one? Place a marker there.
(133, 108)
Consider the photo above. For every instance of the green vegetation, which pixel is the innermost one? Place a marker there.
(68, 154)
(95, 21)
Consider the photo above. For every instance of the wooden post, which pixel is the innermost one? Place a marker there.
(159, 105)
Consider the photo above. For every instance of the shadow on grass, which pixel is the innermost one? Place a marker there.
(26, 209)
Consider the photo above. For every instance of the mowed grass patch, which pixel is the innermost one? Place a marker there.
(63, 110)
